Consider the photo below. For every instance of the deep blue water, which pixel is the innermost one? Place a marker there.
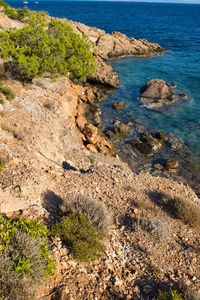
(176, 27)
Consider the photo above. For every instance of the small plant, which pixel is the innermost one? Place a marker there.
(7, 92)
(82, 238)
(24, 258)
(171, 295)
(184, 209)
(1, 166)
(2, 101)
(95, 212)
(91, 159)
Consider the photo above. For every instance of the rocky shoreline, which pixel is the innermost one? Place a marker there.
(52, 153)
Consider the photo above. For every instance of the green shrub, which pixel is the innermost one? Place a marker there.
(1, 166)
(172, 295)
(95, 212)
(82, 238)
(4, 4)
(7, 92)
(184, 209)
(24, 258)
(47, 48)
(17, 14)
(22, 14)
(2, 101)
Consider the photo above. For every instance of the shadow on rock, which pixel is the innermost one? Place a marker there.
(147, 289)
(52, 202)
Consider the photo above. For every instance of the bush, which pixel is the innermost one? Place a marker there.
(172, 295)
(183, 209)
(17, 14)
(4, 4)
(7, 92)
(82, 238)
(2, 101)
(24, 258)
(51, 48)
(95, 212)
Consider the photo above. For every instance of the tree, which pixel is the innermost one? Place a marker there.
(52, 48)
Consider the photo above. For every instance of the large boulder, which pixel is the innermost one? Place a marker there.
(105, 74)
(156, 89)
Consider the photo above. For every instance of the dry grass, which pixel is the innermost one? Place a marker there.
(183, 209)
(95, 212)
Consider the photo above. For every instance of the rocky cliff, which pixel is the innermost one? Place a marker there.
(43, 133)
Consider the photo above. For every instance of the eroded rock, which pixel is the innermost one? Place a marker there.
(156, 89)
(119, 105)
(157, 93)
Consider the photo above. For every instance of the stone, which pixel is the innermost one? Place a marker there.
(134, 142)
(105, 74)
(142, 147)
(161, 136)
(171, 163)
(119, 105)
(91, 148)
(109, 133)
(90, 132)
(183, 95)
(172, 84)
(122, 129)
(81, 122)
(156, 89)
(158, 166)
(151, 142)
(97, 120)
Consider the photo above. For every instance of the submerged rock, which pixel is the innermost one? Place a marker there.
(119, 105)
(161, 136)
(171, 163)
(142, 147)
(153, 143)
(123, 129)
(156, 93)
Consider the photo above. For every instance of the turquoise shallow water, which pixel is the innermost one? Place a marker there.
(175, 27)
(182, 120)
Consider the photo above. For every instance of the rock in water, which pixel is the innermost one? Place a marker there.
(171, 163)
(119, 105)
(156, 89)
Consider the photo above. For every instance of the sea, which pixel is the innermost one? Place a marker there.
(176, 27)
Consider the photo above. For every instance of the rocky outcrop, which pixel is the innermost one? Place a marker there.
(157, 93)
(110, 46)
(105, 74)
(91, 136)
(156, 89)
(117, 44)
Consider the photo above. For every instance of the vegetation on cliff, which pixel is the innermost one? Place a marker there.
(44, 47)
(4, 4)
(24, 258)
(82, 238)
